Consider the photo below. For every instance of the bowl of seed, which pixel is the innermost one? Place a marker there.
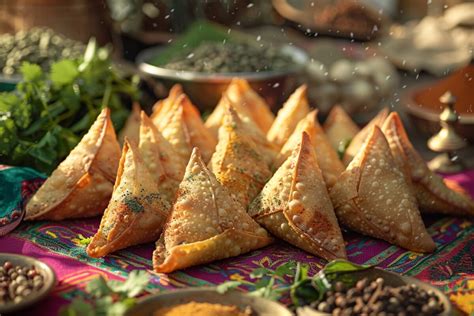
(23, 281)
(206, 58)
(373, 291)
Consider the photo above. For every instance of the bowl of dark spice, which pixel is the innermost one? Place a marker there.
(365, 290)
(205, 60)
(23, 281)
(39, 45)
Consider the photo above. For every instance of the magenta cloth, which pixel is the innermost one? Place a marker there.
(58, 244)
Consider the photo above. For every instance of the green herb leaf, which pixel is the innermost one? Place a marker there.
(78, 307)
(120, 308)
(134, 285)
(226, 286)
(63, 72)
(288, 268)
(30, 72)
(341, 149)
(84, 240)
(260, 273)
(98, 287)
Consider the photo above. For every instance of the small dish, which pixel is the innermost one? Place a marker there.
(260, 306)
(391, 279)
(48, 275)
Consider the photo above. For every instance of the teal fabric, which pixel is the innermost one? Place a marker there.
(13, 182)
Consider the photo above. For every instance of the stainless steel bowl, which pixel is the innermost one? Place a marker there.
(45, 271)
(205, 89)
(260, 306)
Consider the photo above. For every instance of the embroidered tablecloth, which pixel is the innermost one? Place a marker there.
(451, 267)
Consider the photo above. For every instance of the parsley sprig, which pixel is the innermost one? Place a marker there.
(109, 297)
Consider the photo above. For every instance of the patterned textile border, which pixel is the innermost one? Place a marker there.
(449, 268)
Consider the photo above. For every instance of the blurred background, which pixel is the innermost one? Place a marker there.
(362, 55)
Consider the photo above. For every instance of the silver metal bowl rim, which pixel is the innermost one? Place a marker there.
(15, 79)
(37, 296)
(298, 56)
(196, 290)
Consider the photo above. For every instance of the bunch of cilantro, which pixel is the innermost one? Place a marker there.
(48, 113)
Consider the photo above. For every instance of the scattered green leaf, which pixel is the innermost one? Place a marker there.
(108, 297)
(226, 286)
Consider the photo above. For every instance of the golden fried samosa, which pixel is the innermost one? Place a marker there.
(372, 197)
(268, 151)
(237, 162)
(294, 110)
(82, 184)
(164, 164)
(432, 193)
(206, 223)
(328, 160)
(132, 125)
(162, 108)
(295, 205)
(246, 102)
(359, 139)
(184, 129)
(137, 210)
(340, 129)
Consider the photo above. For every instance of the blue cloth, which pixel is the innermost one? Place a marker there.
(15, 184)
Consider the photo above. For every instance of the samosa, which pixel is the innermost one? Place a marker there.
(137, 210)
(162, 108)
(82, 184)
(372, 197)
(184, 129)
(237, 162)
(206, 223)
(359, 139)
(246, 102)
(159, 156)
(132, 125)
(340, 129)
(295, 205)
(294, 110)
(328, 160)
(432, 193)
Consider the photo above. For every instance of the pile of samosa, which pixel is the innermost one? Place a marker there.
(210, 190)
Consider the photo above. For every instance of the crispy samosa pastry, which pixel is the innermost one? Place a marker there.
(372, 197)
(159, 156)
(163, 107)
(340, 129)
(82, 184)
(432, 193)
(328, 159)
(359, 139)
(295, 205)
(246, 102)
(206, 223)
(137, 210)
(184, 129)
(131, 130)
(268, 150)
(294, 110)
(237, 162)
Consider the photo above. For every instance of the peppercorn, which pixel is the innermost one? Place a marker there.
(18, 282)
(377, 298)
